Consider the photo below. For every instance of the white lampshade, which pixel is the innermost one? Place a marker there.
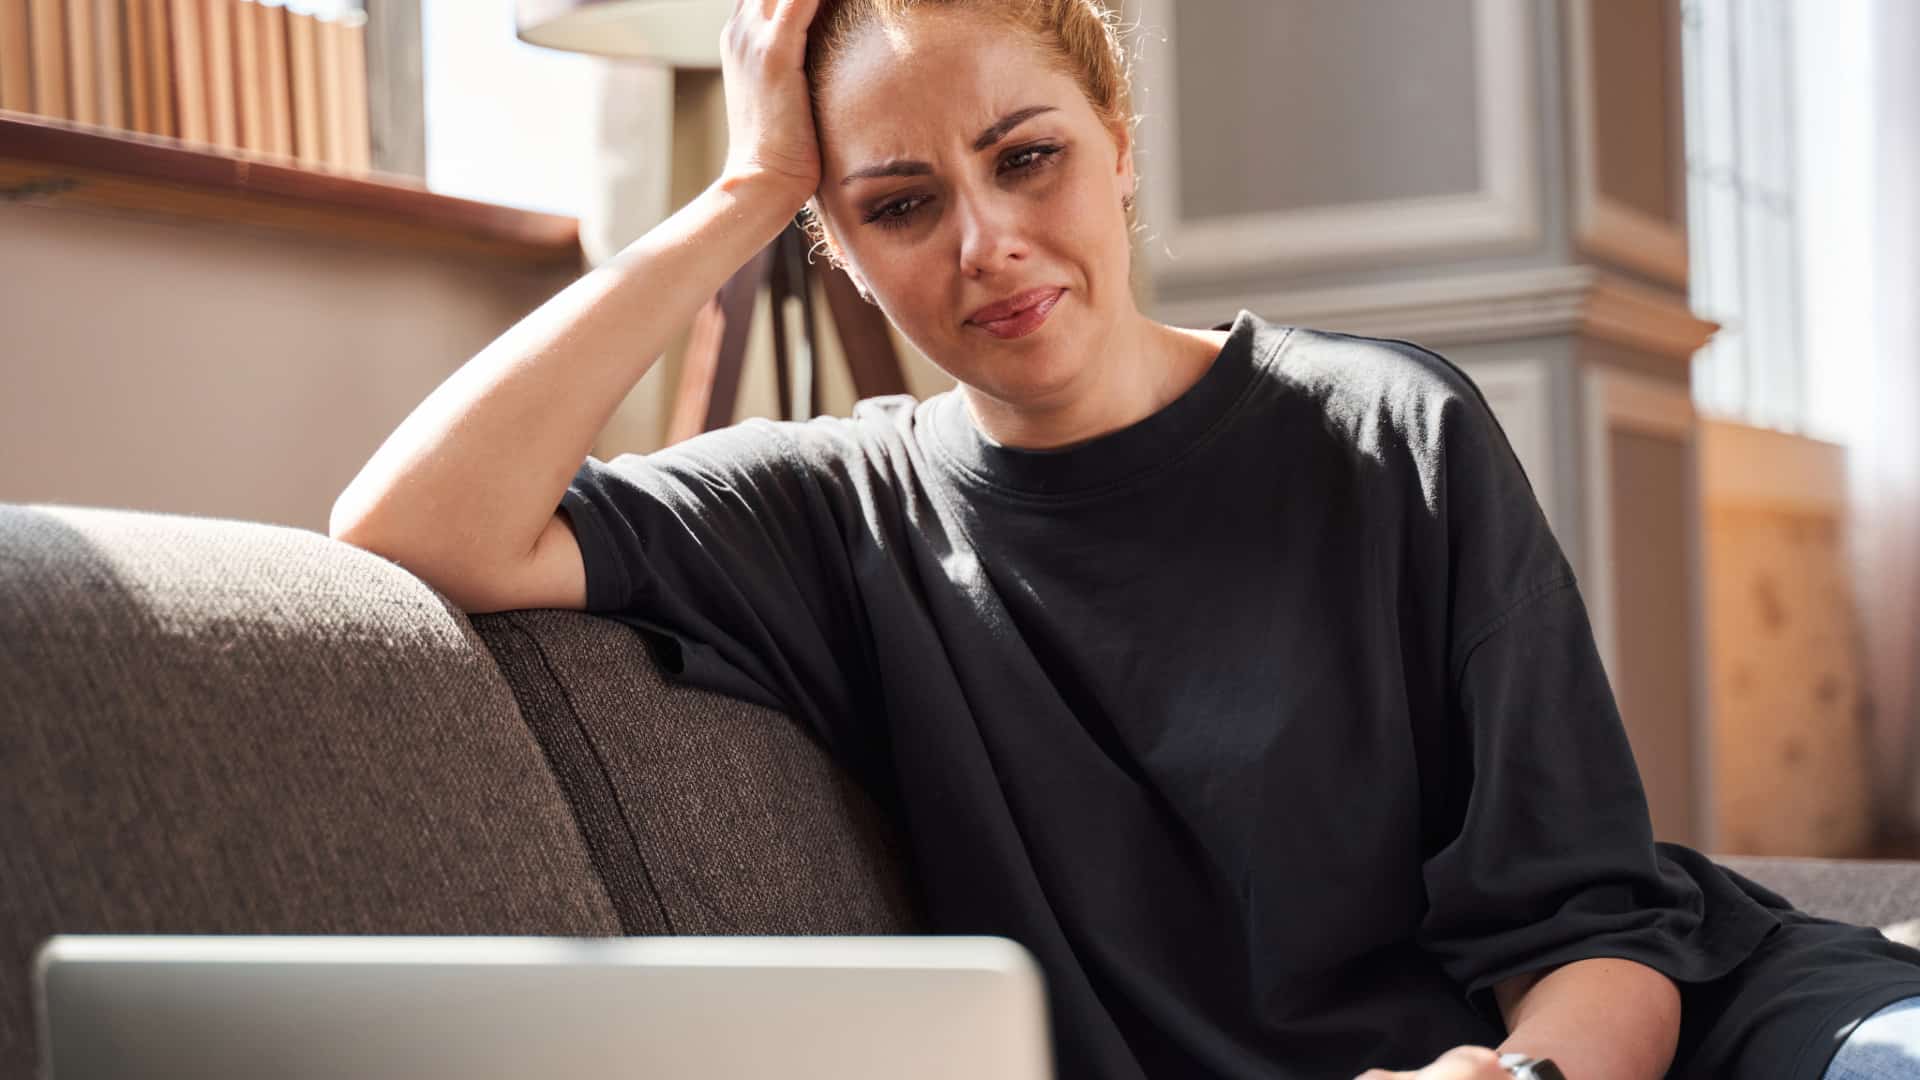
(680, 33)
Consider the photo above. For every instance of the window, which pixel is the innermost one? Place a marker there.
(1742, 212)
(1780, 201)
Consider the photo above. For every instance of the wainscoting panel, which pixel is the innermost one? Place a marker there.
(1623, 77)
(1642, 559)
(1251, 163)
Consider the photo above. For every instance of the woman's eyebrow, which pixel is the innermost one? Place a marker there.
(993, 134)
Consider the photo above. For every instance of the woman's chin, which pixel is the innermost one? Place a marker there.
(1032, 382)
(1037, 371)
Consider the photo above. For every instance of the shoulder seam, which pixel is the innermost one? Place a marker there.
(1494, 625)
(1472, 384)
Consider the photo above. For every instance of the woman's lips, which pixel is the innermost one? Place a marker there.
(1026, 321)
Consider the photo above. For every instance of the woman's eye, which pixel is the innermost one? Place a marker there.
(900, 212)
(1030, 159)
(896, 213)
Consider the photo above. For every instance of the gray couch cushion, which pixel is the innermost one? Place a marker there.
(216, 726)
(1870, 893)
(731, 816)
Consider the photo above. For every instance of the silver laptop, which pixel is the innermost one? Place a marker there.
(425, 1008)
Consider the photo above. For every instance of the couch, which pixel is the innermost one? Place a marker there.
(215, 726)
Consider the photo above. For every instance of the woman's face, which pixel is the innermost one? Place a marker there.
(959, 169)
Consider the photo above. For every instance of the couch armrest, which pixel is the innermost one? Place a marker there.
(1869, 892)
(213, 726)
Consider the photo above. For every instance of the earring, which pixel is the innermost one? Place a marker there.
(1126, 201)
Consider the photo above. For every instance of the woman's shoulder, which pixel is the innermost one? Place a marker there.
(1410, 412)
(1378, 375)
(764, 442)
(1390, 400)
(859, 450)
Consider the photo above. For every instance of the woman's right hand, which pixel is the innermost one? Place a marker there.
(770, 133)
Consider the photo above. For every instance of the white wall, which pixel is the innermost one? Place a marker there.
(507, 122)
(188, 367)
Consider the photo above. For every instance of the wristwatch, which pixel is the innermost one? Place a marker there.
(1528, 1068)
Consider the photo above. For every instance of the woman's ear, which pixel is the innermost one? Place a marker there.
(822, 236)
(838, 259)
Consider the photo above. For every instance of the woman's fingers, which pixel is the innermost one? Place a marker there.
(769, 107)
(801, 11)
(1459, 1063)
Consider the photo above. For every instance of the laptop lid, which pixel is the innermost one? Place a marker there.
(426, 1008)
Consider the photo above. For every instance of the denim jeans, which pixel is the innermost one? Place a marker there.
(1886, 1045)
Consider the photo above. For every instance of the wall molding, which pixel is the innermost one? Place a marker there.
(1606, 228)
(1503, 217)
(1613, 402)
(1582, 301)
(1618, 401)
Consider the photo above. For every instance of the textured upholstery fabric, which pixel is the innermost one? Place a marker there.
(227, 727)
(1871, 893)
(733, 817)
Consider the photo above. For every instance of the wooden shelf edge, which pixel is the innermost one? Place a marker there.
(51, 162)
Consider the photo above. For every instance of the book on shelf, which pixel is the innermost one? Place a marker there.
(333, 134)
(16, 49)
(223, 109)
(248, 77)
(83, 94)
(187, 29)
(47, 56)
(353, 80)
(139, 90)
(303, 70)
(110, 63)
(343, 64)
(277, 77)
(159, 48)
(249, 88)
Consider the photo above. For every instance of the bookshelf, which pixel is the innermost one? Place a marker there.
(60, 163)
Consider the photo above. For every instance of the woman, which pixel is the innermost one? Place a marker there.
(1235, 673)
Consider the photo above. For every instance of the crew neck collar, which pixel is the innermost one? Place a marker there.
(1112, 458)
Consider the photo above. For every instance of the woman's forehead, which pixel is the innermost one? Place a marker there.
(888, 98)
(931, 57)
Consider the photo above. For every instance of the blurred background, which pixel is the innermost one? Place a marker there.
(1675, 242)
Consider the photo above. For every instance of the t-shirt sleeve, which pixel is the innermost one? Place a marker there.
(1547, 853)
(727, 552)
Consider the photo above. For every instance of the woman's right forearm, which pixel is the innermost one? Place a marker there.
(473, 475)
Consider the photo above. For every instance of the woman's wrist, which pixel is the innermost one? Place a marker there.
(776, 195)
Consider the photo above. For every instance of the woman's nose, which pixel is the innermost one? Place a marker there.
(991, 237)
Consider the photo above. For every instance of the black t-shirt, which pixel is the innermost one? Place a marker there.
(1272, 724)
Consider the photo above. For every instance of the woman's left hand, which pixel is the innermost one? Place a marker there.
(1459, 1063)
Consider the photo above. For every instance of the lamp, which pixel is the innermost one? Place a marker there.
(677, 33)
(686, 34)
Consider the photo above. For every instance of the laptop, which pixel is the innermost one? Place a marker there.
(427, 1008)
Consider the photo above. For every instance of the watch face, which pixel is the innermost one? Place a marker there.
(1531, 1068)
